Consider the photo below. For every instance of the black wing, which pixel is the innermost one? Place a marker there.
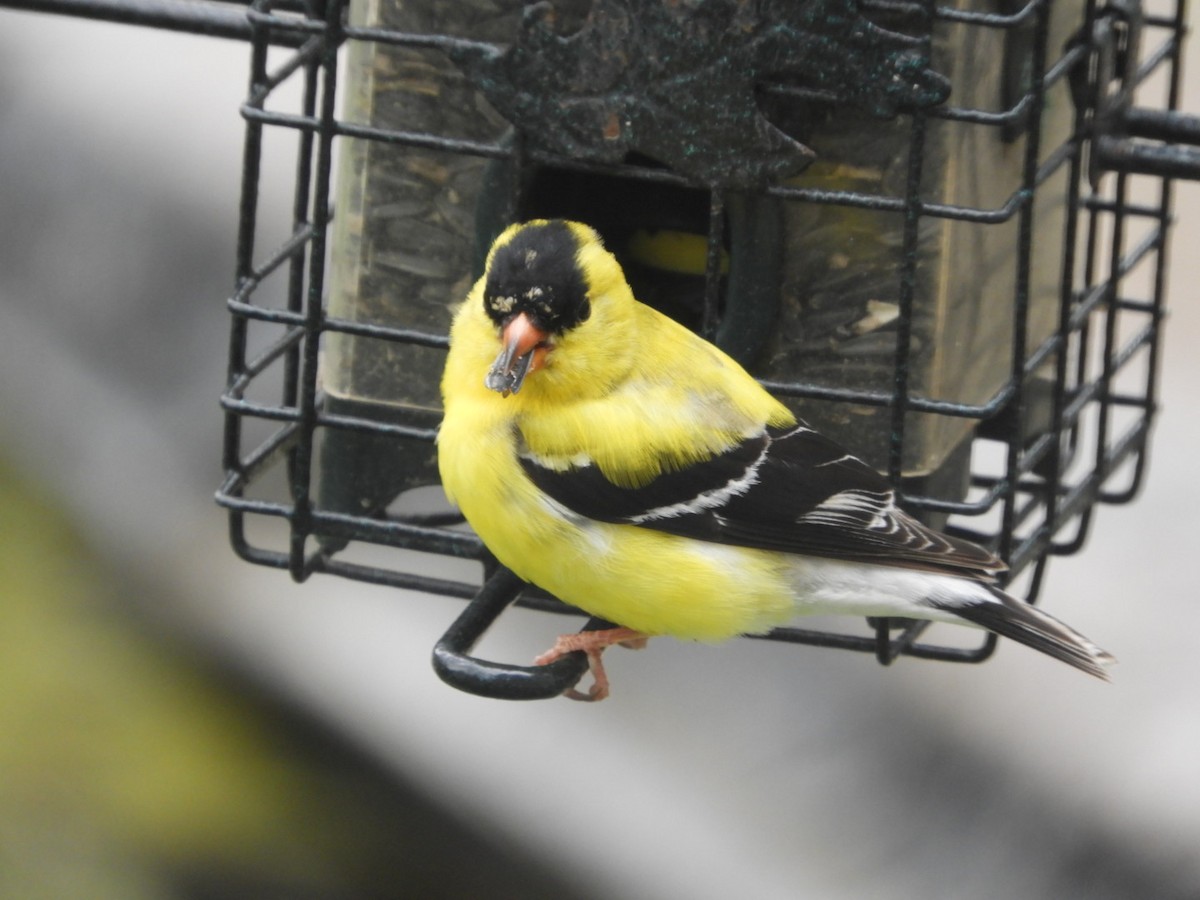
(792, 490)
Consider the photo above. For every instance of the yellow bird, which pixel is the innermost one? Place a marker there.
(612, 457)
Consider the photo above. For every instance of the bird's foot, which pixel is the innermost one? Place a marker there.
(593, 643)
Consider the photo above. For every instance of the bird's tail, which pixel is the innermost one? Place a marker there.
(1028, 625)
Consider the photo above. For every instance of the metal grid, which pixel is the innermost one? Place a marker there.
(1032, 490)
(1038, 503)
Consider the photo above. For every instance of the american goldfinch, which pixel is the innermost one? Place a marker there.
(612, 457)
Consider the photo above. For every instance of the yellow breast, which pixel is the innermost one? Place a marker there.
(653, 582)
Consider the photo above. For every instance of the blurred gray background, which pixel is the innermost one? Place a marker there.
(753, 769)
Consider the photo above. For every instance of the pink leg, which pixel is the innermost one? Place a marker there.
(593, 643)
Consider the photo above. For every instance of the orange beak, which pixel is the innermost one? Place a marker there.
(524, 350)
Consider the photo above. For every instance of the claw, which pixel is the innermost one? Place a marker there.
(593, 643)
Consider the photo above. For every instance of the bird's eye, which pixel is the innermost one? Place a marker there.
(585, 309)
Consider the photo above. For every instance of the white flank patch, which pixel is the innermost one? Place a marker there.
(849, 588)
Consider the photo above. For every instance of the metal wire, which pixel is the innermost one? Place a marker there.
(1042, 493)
(1101, 354)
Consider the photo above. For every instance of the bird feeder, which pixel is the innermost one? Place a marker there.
(937, 231)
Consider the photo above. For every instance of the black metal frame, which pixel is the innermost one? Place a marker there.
(1104, 395)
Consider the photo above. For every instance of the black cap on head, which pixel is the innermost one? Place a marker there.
(536, 273)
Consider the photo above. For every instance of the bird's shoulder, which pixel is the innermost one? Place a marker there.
(681, 404)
